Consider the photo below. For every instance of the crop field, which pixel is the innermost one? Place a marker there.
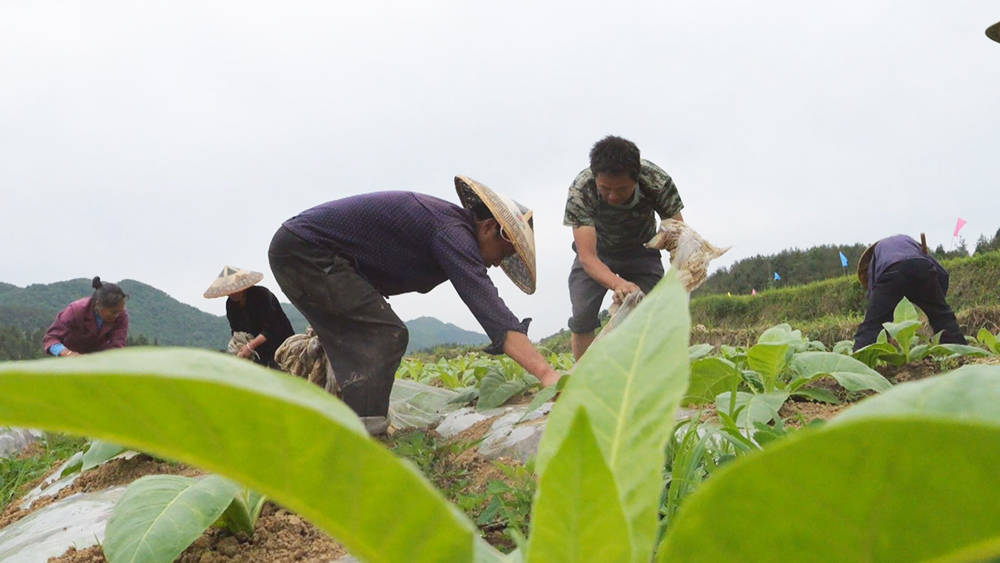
(778, 449)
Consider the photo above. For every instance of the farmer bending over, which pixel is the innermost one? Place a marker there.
(91, 324)
(898, 267)
(611, 208)
(337, 261)
(253, 312)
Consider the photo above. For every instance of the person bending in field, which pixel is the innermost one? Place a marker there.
(91, 324)
(897, 267)
(253, 313)
(611, 207)
(339, 260)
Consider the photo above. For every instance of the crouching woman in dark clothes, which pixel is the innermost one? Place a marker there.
(897, 267)
(254, 310)
(91, 324)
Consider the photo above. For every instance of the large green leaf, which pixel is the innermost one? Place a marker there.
(768, 360)
(969, 393)
(906, 475)
(274, 433)
(160, 515)
(709, 377)
(871, 490)
(577, 514)
(630, 383)
(852, 374)
(756, 407)
(496, 389)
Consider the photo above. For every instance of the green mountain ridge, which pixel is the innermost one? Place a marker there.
(160, 318)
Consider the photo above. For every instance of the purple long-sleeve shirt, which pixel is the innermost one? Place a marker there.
(897, 248)
(403, 242)
(76, 328)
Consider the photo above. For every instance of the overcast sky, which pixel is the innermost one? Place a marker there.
(159, 141)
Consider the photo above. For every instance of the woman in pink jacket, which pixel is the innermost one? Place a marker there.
(91, 324)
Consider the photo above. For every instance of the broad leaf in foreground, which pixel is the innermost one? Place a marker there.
(160, 515)
(907, 475)
(577, 514)
(630, 383)
(277, 434)
(862, 491)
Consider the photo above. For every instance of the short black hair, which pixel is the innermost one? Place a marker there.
(480, 211)
(615, 156)
(107, 295)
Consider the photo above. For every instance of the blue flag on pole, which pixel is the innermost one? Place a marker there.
(776, 276)
(843, 260)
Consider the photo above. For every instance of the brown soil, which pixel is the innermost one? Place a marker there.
(796, 414)
(113, 473)
(279, 536)
(912, 371)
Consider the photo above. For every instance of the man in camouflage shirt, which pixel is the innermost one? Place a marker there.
(611, 208)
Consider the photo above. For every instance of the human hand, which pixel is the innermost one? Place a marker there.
(68, 352)
(622, 289)
(245, 352)
(551, 377)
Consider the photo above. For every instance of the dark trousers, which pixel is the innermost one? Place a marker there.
(918, 281)
(362, 336)
(642, 267)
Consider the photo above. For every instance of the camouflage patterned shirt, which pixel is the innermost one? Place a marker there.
(622, 228)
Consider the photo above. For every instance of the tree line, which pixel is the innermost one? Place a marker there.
(797, 267)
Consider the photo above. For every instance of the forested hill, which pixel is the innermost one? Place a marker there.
(798, 267)
(795, 267)
(152, 313)
(427, 332)
(157, 318)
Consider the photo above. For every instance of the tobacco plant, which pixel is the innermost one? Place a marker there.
(900, 343)
(845, 491)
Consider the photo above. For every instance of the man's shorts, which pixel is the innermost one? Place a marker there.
(642, 267)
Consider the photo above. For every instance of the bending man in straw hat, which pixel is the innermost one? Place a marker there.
(252, 309)
(610, 207)
(897, 267)
(337, 261)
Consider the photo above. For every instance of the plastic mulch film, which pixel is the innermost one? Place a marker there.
(415, 405)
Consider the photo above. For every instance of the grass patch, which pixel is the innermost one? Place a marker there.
(495, 495)
(16, 473)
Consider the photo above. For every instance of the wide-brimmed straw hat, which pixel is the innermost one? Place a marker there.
(231, 280)
(993, 32)
(516, 222)
(863, 263)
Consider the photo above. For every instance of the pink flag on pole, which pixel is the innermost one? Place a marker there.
(958, 226)
(753, 291)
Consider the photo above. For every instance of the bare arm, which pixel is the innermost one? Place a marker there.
(522, 351)
(586, 248)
